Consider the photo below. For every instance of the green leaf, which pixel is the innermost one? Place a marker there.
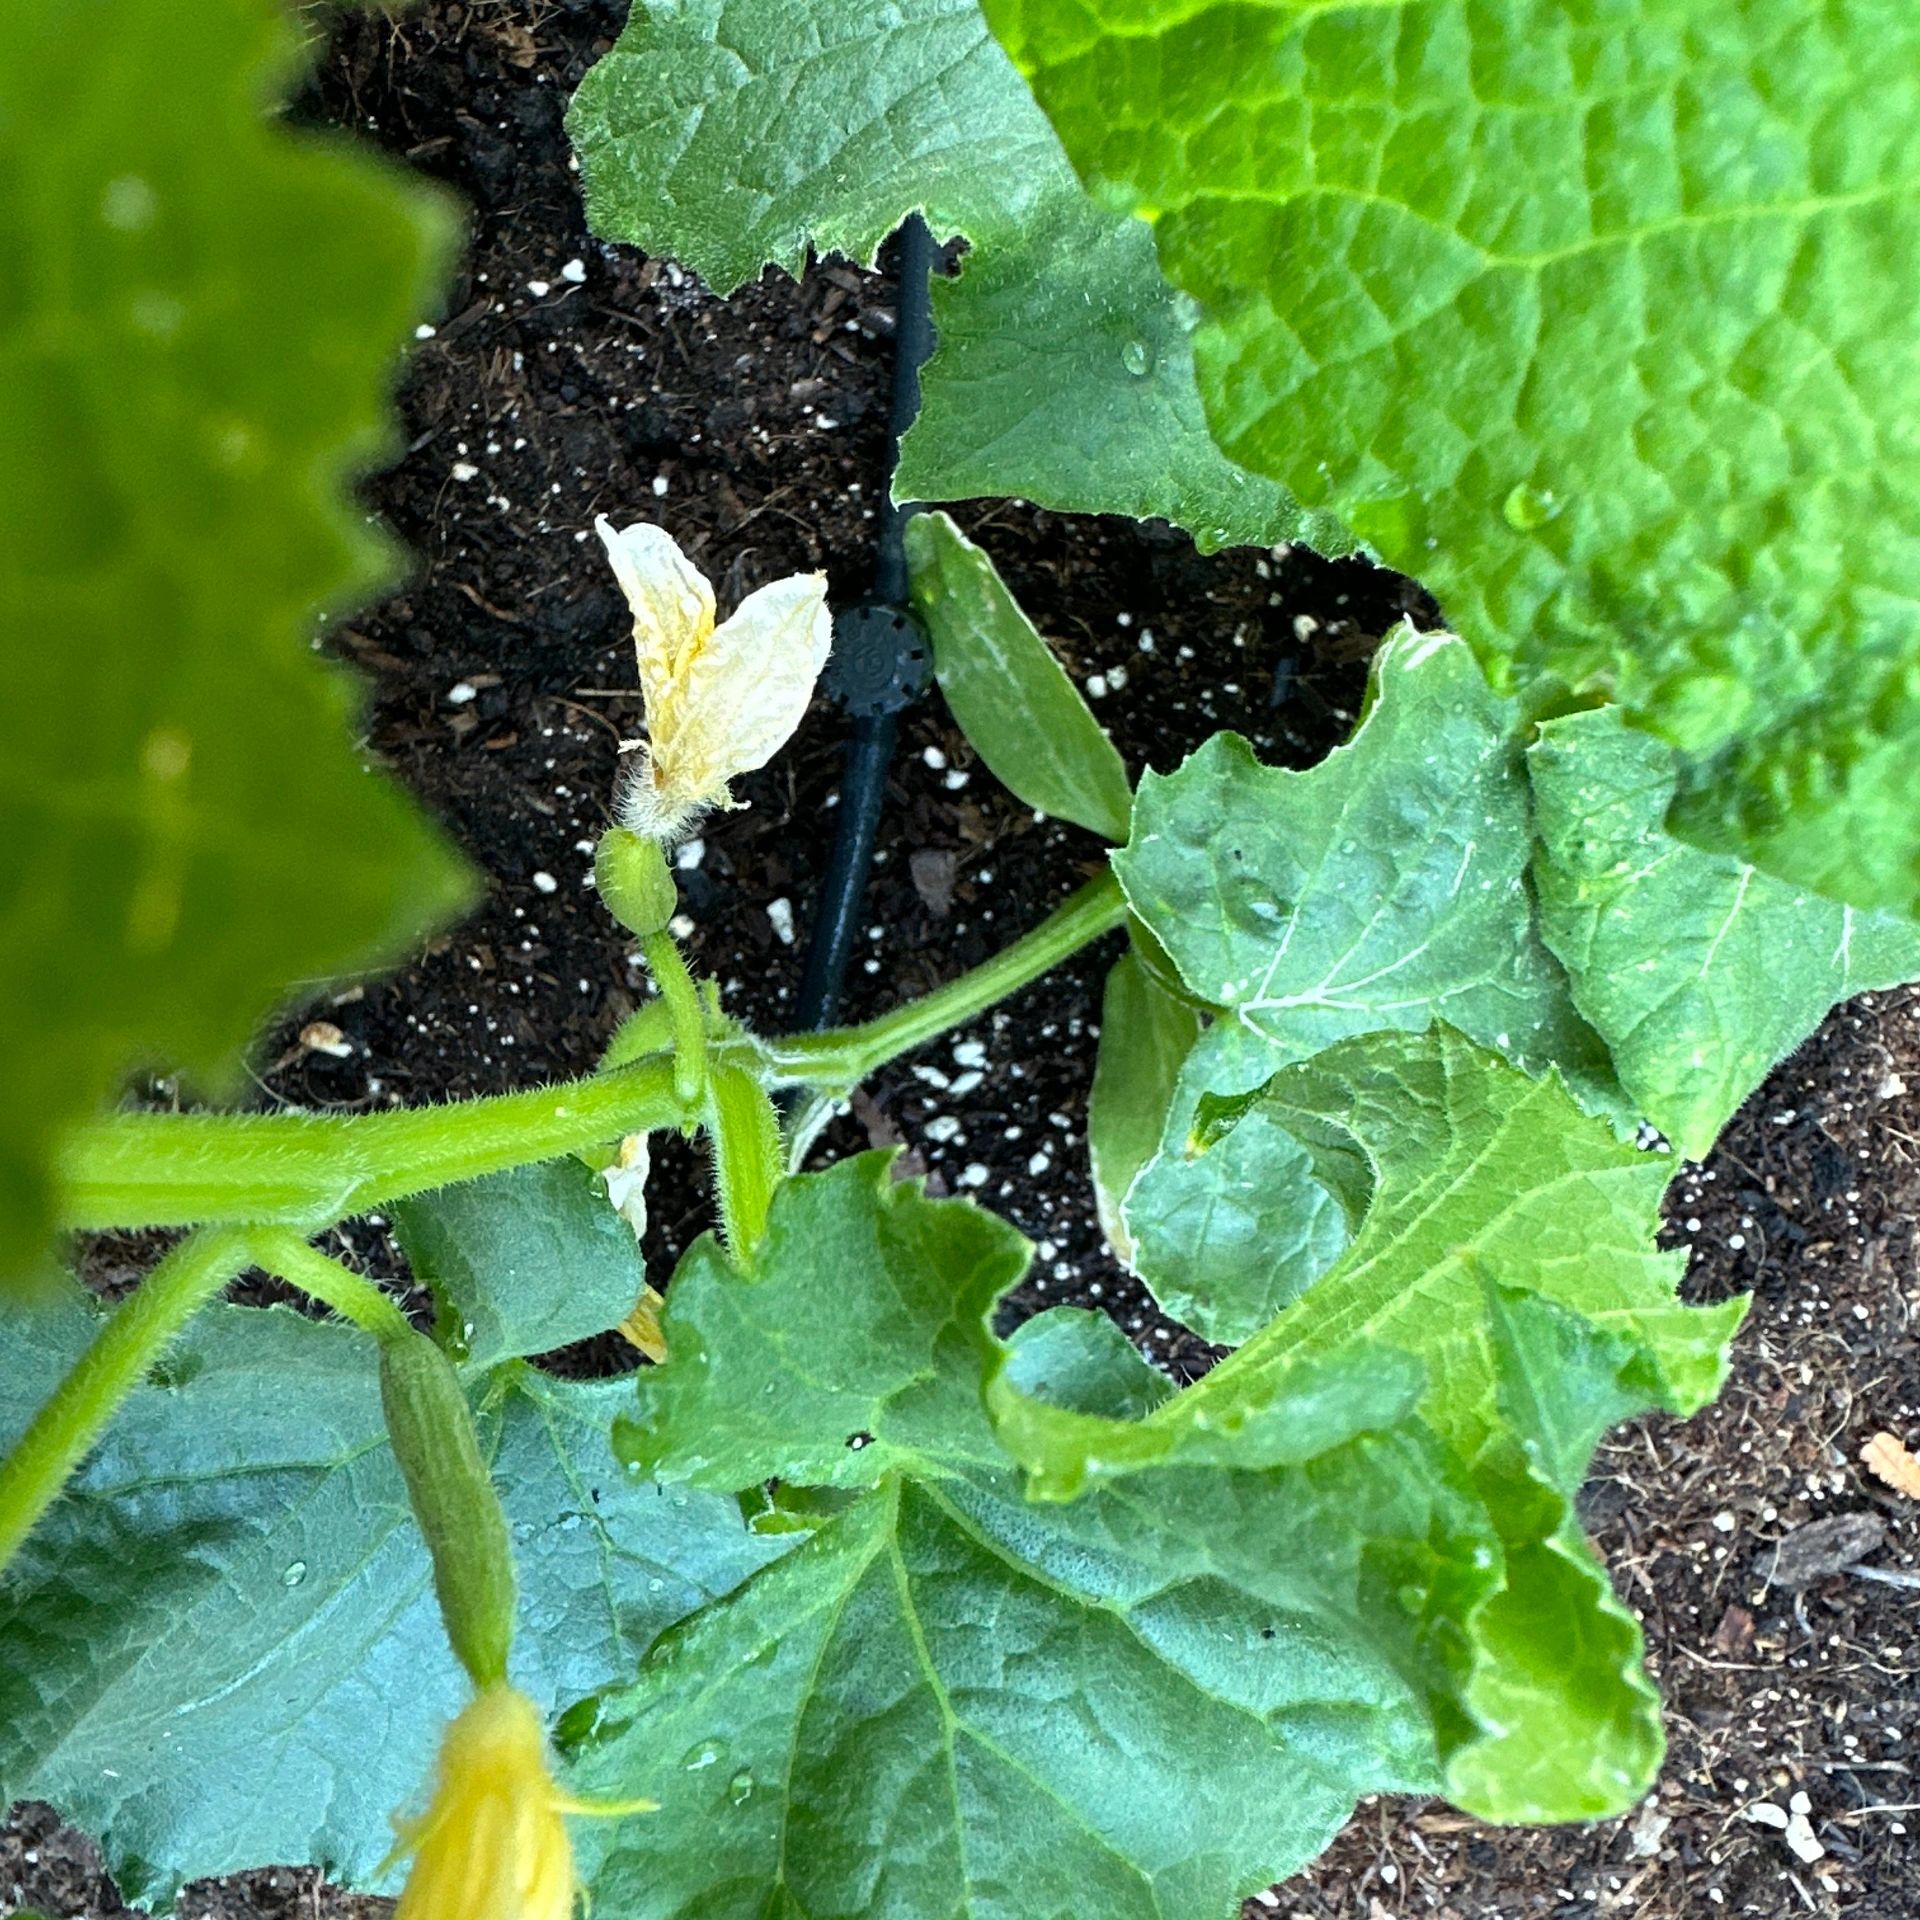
(1700, 972)
(1507, 1255)
(857, 1345)
(1235, 1213)
(1012, 698)
(949, 1702)
(1598, 319)
(522, 1262)
(1383, 888)
(729, 134)
(1076, 1358)
(220, 1649)
(1145, 1033)
(199, 318)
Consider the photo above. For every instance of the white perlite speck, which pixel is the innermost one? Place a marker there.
(780, 918)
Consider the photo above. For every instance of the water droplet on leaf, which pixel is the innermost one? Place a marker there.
(1528, 507)
(740, 1788)
(704, 1754)
(294, 1574)
(1137, 357)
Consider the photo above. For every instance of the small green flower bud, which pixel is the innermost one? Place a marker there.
(631, 873)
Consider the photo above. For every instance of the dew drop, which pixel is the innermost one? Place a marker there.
(1529, 507)
(1137, 357)
(129, 204)
(740, 1788)
(295, 1573)
(703, 1754)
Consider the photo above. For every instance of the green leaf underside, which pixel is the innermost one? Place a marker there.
(197, 323)
(1598, 319)
(1699, 972)
(729, 134)
(1145, 1034)
(1508, 1251)
(1384, 888)
(858, 1345)
(221, 1650)
(1012, 698)
(523, 1262)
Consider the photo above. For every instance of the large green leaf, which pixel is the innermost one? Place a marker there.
(1507, 1253)
(1012, 698)
(198, 317)
(1597, 318)
(858, 1345)
(220, 1649)
(729, 133)
(1149, 1704)
(1353, 1566)
(1699, 972)
(522, 1262)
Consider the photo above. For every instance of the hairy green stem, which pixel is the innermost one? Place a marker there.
(662, 955)
(310, 1170)
(839, 1059)
(282, 1252)
(127, 1345)
(748, 1159)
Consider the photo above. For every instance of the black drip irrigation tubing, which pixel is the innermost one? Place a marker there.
(880, 662)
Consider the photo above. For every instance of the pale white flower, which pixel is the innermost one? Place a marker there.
(626, 1179)
(720, 699)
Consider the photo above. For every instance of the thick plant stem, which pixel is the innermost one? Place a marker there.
(662, 955)
(284, 1253)
(309, 1170)
(840, 1058)
(127, 1345)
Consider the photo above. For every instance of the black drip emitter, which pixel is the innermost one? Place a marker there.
(881, 661)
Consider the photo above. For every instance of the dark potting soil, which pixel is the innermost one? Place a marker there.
(568, 379)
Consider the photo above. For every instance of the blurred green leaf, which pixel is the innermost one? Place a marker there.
(199, 316)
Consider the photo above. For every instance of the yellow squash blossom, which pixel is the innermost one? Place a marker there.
(493, 1844)
(720, 699)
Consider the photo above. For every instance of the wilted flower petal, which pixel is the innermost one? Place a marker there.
(720, 700)
(493, 1845)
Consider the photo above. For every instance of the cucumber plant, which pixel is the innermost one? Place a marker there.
(846, 1600)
